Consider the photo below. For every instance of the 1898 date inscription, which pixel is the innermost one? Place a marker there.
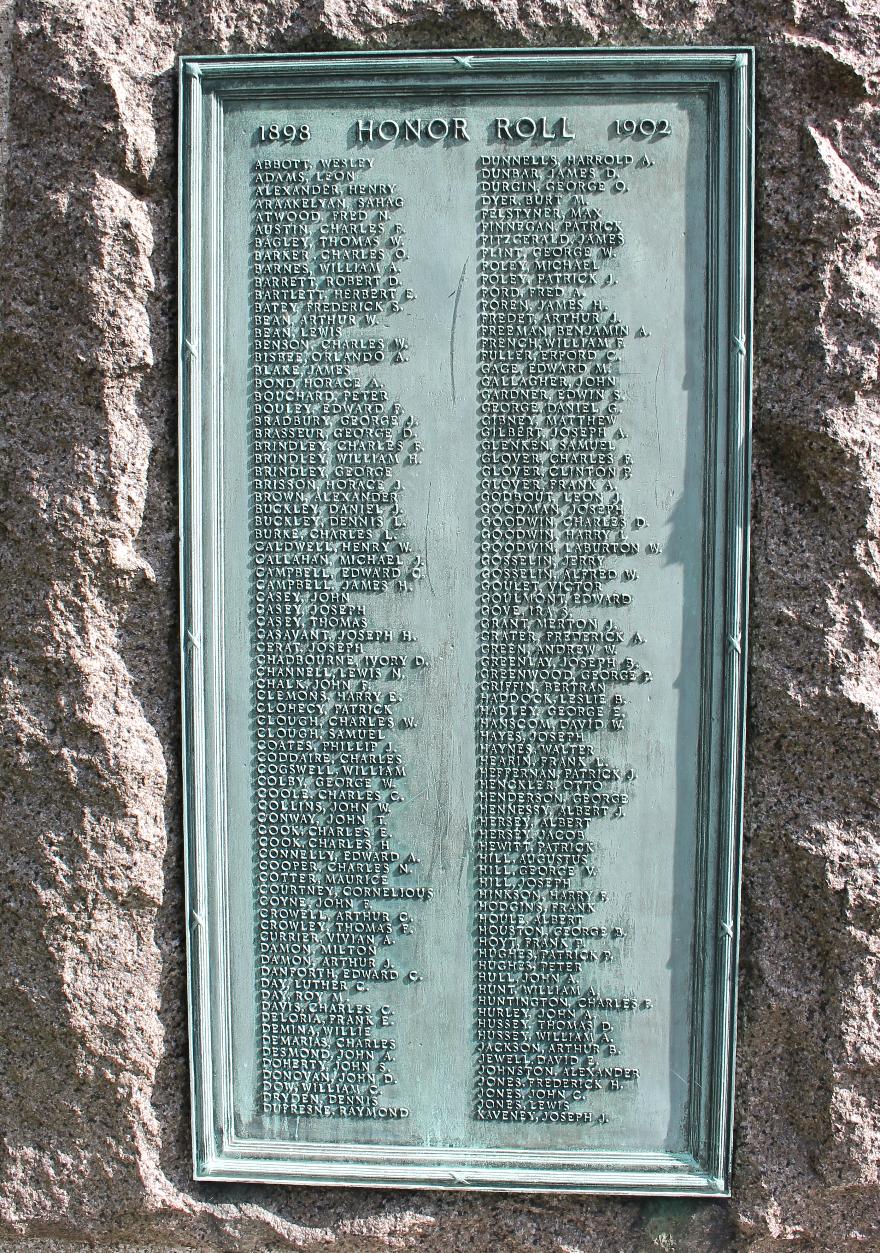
(467, 529)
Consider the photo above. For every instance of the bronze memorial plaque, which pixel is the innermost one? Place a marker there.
(465, 435)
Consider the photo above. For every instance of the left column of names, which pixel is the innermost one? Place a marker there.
(333, 891)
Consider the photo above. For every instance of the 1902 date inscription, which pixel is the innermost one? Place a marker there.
(465, 419)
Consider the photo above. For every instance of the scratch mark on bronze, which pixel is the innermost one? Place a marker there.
(427, 525)
(656, 412)
(452, 329)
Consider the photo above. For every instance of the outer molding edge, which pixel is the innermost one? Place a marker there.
(218, 1155)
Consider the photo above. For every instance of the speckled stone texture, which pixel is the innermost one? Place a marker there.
(93, 1082)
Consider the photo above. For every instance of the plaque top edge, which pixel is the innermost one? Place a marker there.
(464, 59)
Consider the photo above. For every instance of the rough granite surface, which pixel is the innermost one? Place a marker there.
(93, 1079)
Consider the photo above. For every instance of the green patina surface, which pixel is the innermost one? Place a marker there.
(465, 449)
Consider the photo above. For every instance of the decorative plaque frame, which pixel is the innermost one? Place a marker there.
(695, 1159)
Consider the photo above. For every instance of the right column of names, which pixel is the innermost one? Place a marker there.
(560, 652)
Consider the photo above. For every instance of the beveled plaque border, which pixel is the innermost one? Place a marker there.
(726, 75)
